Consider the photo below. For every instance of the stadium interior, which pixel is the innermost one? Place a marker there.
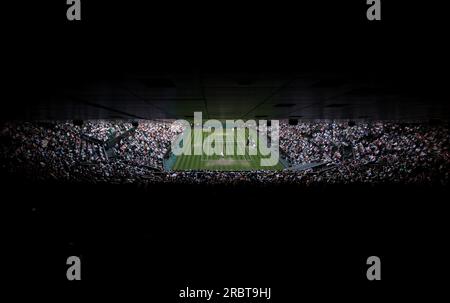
(334, 128)
(86, 125)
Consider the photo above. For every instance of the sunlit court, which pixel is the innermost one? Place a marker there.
(223, 151)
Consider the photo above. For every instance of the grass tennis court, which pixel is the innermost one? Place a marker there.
(224, 161)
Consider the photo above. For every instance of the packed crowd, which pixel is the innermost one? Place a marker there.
(64, 151)
(118, 152)
(375, 152)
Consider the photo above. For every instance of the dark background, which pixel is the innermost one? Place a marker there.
(231, 35)
(148, 242)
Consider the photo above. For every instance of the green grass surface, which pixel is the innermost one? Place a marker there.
(226, 162)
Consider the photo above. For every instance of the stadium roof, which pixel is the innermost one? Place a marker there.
(308, 60)
(271, 95)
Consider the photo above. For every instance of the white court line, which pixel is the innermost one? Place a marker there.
(224, 142)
